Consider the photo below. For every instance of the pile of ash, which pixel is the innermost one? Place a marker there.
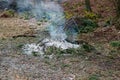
(41, 47)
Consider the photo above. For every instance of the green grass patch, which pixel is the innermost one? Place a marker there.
(8, 13)
(91, 15)
(26, 15)
(85, 25)
(20, 45)
(94, 77)
(81, 51)
(115, 44)
(87, 47)
(35, 53)
(58, 51)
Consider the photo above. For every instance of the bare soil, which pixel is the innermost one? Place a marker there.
(14, 65)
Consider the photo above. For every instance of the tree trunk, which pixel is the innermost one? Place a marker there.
(117, 17)
(88, 6)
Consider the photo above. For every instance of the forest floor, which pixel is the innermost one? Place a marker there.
(14, 65)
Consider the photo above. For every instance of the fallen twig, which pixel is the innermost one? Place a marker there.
(24, 35)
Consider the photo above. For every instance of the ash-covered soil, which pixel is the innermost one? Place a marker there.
(14, 65)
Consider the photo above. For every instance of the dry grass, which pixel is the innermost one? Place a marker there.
(16, 66)
(13, 26)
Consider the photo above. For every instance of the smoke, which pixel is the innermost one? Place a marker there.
(53, 14)
(46, 10)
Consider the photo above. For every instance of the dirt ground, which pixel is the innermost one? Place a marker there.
(14, 65)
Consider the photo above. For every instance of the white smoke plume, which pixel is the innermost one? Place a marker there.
(53, 13)
(49, 10)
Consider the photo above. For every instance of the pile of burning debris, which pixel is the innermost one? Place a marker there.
(62, 33)
(69, 42)
(41, 47)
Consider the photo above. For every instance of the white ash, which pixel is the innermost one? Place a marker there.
(30, 48)
(39, 49)
(59, 44)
